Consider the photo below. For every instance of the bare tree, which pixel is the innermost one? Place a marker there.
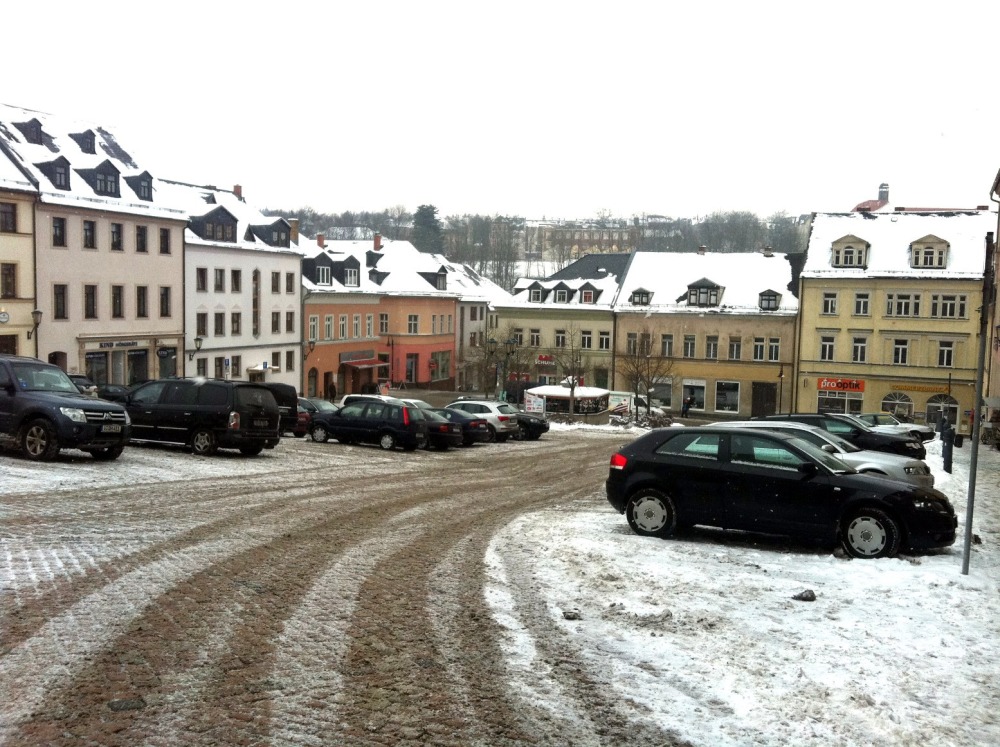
(640, 365)
(567, 354)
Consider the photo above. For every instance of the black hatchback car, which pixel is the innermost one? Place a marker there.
(858, 433)
(771, 483)
(205, 414)
(388, 423)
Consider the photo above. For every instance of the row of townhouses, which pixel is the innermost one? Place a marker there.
(110, 270)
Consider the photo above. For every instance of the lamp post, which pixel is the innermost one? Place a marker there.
(781, 385)
(197, 346)
(510, 347)
(392, 355)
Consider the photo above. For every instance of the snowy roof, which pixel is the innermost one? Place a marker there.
(889, 235)
(77, 156)
(740, 277)
(580, 392)
(594, 266)
(604, 292)
(473, 287)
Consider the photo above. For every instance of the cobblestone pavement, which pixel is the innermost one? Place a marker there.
(318, 594)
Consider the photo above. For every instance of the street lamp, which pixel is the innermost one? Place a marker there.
(308, 347)
(197, 346)
(781, 385)
(36, 319)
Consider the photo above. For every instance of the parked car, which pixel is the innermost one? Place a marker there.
(113, 392)
(530, 427)
(351, 398)
(896, 466)
(441, 432)
(857, 433)
(775, 483)
(501, 417)
(474, 428)
(317, 410)
(205, 414)
(84, 384)
(288, 405)
(388, 424)
(418, 403)
(42, 411)
(919, 430)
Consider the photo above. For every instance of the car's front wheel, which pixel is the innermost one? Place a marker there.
(319, 434)
(387, 441)
(651, 513)
(39, 440)
(871, 533)
(522, 432)
(203, 443)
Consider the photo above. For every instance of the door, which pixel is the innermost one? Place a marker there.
(176, 413)
(687, 466)
(763, 399)
(143, 409)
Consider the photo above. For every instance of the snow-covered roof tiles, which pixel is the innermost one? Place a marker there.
(740, 276)
(888, 237)
(533, 293)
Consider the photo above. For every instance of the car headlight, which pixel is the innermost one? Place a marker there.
(915, 469)
(930, 504)
(128, 420)
(74, 413)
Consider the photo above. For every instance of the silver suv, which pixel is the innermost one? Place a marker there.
(500, 416)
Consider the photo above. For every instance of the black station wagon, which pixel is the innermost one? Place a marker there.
(771, 483)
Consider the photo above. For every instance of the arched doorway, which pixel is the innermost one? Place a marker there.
(942, 405)
(311, 379)
(898, 404)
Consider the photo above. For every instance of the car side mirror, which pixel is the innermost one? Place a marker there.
(829, 448)
(807, 469)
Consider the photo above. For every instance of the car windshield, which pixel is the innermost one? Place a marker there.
(818, 455)
(857, 421)
(884, 420)
(418, 403)
(323, 406)
(507, 409)
(40, 377)
(841, 443)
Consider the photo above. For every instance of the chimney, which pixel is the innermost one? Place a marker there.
(768, 252)
(293, 225)
(883, 192)
(238, 191)
(702, 249)
(321, 240)
(378, 242)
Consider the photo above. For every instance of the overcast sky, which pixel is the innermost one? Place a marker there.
(538, 109)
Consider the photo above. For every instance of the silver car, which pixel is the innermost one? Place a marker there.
(501, 417)
(895, 466)
(921, 431)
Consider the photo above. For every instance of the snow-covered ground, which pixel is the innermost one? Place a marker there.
(703, 633)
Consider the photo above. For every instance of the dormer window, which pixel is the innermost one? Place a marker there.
(145, 190)
(442, 282)
(769, 301)
(106, 184)
(535, 295)
(561, 296)
(85, 140)
(640, 297)
(849, 251)
(32, 131)
(60, 176)
(351, 276)
(323, 275)
(703, 296)
(929, 251)
(587, 296)
(142, 185)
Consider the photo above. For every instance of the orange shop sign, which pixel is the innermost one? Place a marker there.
(840, 385)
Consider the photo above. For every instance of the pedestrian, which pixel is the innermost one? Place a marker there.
(685, 406)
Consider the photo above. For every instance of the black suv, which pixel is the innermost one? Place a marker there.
(387, 423)
(42, 411)
(857, 433)
(205, 414)
(288, 405)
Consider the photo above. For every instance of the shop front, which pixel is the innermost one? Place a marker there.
(125, 361)
(840, 395)
(360, 371)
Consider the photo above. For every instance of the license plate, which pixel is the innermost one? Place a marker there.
(111, 429)
(260, 424)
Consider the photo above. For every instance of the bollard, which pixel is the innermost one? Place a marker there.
(947, 443)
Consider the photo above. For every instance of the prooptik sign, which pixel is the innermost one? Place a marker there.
(840, 385)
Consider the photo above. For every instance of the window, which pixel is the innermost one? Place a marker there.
(826, 348)
(703, 296)
(289, 360)
(327, 327)
(451, 325)
(90, 302)
(859, 350)
(116, 237)
(434, 324)
(141, 302)
(645, 344)
(849, 256)
(929, 256)
(861, 304)
(689, 346)
(604, 340)
(61, 179)
(220, 280)
(89, 234)
(220, 323)
(164, 241)
(534, 338)
(322, 275)
(758, 348)
(519, 335)
(370, 325)
(201, 324)
(902, 304)
(586, 340)
(900, 352)
(561, 296)
(202, 366)
(275, 282)
(145, 189)
(351, 276)
(343, 326)
(8, 280)
(356, 326)
(632, 343)
(769, 301)
(237, 366)
(946, 354)
(164, 301)
(712, 347)
(117, 301)
(58, 232)
(587, 296)
(235, 323)
(276, 360)
(313, 333)
(640, 297)
(735, 348)
(948, 306)
(235, 280)
(727, 396)
(774, 349)
(8, 217)
(201, 278)
(829, 303)
(560, 338)
(275, 322)
(535, 295)
(140, 239)
(220, 367)
(413, 324)
(107, 184)
(383, 323)
(60, 309)
(666, 345)
(289, 282)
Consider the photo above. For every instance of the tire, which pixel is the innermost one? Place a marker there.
(387, 441)
(651, 513)
(203, 443)
(251, 449)
(107, 454)
(493, 434)
(523, 433)
(871, 533)
(39, 441)
(319, 434)
(534, 436)
(501, 438)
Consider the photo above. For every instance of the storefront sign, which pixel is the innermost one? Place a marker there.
(356, 355)
(119, 344)
(840, 385)
(545, 360)
(940, 388)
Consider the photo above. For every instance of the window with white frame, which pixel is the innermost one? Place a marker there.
(948, 306)
(861, 304)
(314, 326)
(632, 343)
(434, 324)
(946, 354)
(519, 335)
(735, 348)
(534, 337)
(667, 346)
(774, 349)
(900, 352)
(413, 324)
(535, 295)
(929, 256)
(383, 323)
(343, 327)
(560, 338)
(369, 325)
(689, 342)
(587, 296)
(351, 276)
(849, 256)
(586, 339)
(322, 275)
(604, 340)
(561, 296)
(829, 303)
(356, 326)
(712, 347)
(328, 327)
(826, 348)
(902, 304)
(758, 348)
(859, 350)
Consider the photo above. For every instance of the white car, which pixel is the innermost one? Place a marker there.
(921, 431)
(501, 416)
(895, 466)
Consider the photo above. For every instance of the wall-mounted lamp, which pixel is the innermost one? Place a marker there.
(308, 347)
(36, 319)
(197, 346)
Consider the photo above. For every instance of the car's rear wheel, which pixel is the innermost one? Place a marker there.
(251, 449)
(871, 533)
(651, 513)
(522, 432)
(107, 454)
(39, 441)
(320, 434)
(203, 443)
(493, 434)
(387, 441)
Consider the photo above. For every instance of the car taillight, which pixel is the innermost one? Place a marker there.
(234, 421)
(618, 461)
(406, 416)
(504, 418)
